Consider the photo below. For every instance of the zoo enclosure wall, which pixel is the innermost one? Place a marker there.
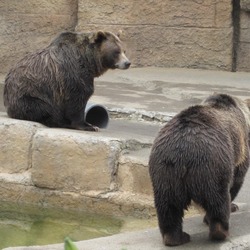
(205, 34)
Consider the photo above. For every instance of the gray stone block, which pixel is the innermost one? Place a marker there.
(133, 175)
(73, 160)
(245, 5)
(15, 148)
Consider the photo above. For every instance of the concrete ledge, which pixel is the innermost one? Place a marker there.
(72, 161)
(151, 239)
(76, 170)
(16, 139)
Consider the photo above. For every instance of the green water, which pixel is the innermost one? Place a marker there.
(28, 226)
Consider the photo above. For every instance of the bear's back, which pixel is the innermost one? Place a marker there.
(198, 135)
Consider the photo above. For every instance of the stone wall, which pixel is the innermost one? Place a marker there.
(27, 25)
(196, 34)
(171, 33)
(72, 170)
(243, 63)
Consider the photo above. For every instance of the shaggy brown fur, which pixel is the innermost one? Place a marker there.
(202, 154)
(53, 85)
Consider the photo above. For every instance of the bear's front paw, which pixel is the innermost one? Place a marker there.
(91, 128)
(88, 127)
(176, 239)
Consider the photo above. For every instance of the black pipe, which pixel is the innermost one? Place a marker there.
(97, 115)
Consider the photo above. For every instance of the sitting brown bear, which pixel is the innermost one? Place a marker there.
(53, 85)
(202, 154)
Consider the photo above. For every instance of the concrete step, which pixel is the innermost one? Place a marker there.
(42, 165)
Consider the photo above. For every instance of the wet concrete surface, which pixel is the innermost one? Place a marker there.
(161, 89)
(160, 96)
(158, 90)
(166, 90)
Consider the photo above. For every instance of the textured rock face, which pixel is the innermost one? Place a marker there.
(165, 33)
(67, 160)
(29, 25)
(16, 139)
(195, 34)
(245, 5)
(133, 174)
(244, 41)
(71, 169)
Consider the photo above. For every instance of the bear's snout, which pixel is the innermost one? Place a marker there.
(123, 62)
(127, 64)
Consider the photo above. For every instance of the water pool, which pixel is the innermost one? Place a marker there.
(26, 226)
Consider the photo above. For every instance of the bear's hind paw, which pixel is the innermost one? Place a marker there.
(175, 240)
(218, 232)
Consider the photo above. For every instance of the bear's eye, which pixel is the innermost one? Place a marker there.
(117, 52)
(124, 51)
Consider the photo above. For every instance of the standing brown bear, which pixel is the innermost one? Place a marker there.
(202, 154)
(53, 85)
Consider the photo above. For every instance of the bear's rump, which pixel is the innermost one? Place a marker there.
(190, 165)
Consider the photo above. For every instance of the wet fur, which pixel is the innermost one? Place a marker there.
(53, 85)
(202, 154)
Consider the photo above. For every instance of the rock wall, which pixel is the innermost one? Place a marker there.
(72, 170)
(27, 25)
(192, 33)
(171, 33)
(243, 63)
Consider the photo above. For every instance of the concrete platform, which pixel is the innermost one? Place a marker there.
(166, 89)
(140, 101)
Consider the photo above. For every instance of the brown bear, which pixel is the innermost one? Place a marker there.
(53, 85)
(202, 155)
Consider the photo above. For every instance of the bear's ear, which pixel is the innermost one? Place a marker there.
(98, 37)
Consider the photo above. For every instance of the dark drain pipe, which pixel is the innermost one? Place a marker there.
(97, 115)
(236, 33)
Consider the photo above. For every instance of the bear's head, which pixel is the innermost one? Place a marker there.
(101, 50)
(110, 50)
(227, 101)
